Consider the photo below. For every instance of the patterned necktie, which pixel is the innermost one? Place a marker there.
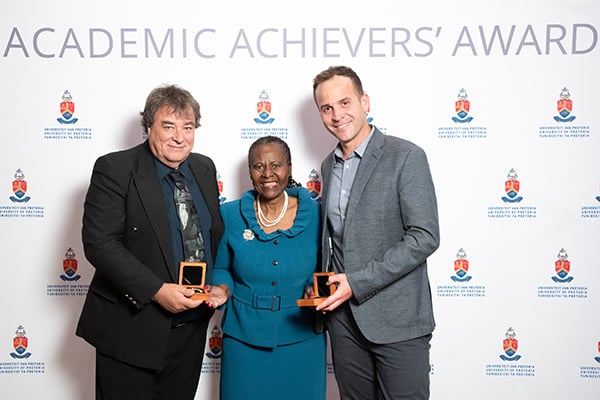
(191, 231)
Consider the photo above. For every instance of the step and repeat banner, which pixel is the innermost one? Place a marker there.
(503, 97)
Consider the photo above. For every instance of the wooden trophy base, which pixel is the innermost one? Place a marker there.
(315, 301)
(191, 276)
(200, 295)
(320, 288)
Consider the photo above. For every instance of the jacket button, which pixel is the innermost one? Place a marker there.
(273, 283)
(275, 262)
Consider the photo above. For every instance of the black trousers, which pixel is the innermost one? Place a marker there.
(178, 379)
(366, 370)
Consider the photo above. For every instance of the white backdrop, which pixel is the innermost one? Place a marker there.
(516, 282)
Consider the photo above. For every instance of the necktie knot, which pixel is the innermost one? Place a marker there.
(177, 178)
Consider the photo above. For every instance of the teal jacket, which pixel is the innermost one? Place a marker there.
(267, 272)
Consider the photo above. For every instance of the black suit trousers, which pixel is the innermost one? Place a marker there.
(178, 379)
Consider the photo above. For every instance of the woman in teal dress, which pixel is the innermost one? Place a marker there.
(265, 262)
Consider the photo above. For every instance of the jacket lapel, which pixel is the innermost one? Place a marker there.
(367, 167)
(207, 185)
(151, 197)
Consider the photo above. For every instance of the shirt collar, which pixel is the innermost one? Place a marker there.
(163, 169)
(359, 151)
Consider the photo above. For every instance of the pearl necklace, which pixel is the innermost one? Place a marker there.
(264, 221)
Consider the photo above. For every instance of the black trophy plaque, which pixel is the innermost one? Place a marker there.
(321, 290)
(192, 275)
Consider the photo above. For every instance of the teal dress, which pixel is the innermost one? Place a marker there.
(270, 348)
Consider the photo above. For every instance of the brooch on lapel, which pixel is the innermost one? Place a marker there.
(248, 234)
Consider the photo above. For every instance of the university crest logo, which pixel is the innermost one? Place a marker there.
(564, 106)
(215, 343)
(462, 107)
(510, 345)
(562, 266)
(597, 358)
(70, 267)
(314, 184)
(511, 187)
(263, 109)
(20, 343)
(222, 198)
(19, 187)
(461, 267)
(67, 109)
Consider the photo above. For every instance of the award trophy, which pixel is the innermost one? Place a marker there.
(192, 275)
(321, 290)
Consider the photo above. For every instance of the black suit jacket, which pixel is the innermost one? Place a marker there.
(126, 238)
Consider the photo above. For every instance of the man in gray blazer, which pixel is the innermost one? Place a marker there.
(148, 332)
(380, 224)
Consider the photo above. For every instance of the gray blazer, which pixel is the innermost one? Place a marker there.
(391, 228)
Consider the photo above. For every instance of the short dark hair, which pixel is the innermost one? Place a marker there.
(268, 140)
(169, 95)
(339, 70)
(286, 152)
